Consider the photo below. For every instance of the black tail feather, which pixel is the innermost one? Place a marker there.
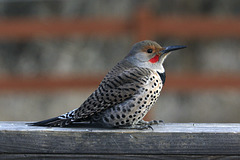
(52, 122)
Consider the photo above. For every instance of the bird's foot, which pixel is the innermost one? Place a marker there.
(141, 125)
(153, 122)
(138, 126)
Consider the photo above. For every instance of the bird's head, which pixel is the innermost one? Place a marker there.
(150, 54)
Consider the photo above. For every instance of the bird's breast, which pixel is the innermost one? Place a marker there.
(135, 108)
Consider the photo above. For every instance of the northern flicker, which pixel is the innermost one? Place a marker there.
(126, 93)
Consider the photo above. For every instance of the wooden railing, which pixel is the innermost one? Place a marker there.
(165, 141)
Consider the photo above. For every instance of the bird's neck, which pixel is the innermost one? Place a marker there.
(162, 76)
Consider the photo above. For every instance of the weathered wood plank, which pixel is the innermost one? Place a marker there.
(112, 157)
(16, 138)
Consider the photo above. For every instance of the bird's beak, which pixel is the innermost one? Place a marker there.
(171, 48)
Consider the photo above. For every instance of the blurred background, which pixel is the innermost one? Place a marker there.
(54, 53)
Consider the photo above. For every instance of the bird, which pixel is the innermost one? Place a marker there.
(126, 93)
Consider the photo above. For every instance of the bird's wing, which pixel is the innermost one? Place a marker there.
(118, 85)
(121, 83)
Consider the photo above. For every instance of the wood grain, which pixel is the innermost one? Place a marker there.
(178, 139)
(112, 157)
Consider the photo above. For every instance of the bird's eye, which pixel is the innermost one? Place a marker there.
(149, 51)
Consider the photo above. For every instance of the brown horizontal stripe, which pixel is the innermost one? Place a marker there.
(174, 82)
(142, 25)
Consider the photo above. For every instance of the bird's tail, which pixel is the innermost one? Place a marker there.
(60, 121)
(52, 122)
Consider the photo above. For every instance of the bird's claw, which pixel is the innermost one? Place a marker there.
(144, 126)
(138, 126)
(153, 122)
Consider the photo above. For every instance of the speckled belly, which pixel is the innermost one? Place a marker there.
(134, 109)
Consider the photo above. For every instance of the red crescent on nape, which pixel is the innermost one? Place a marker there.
(154, 59)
